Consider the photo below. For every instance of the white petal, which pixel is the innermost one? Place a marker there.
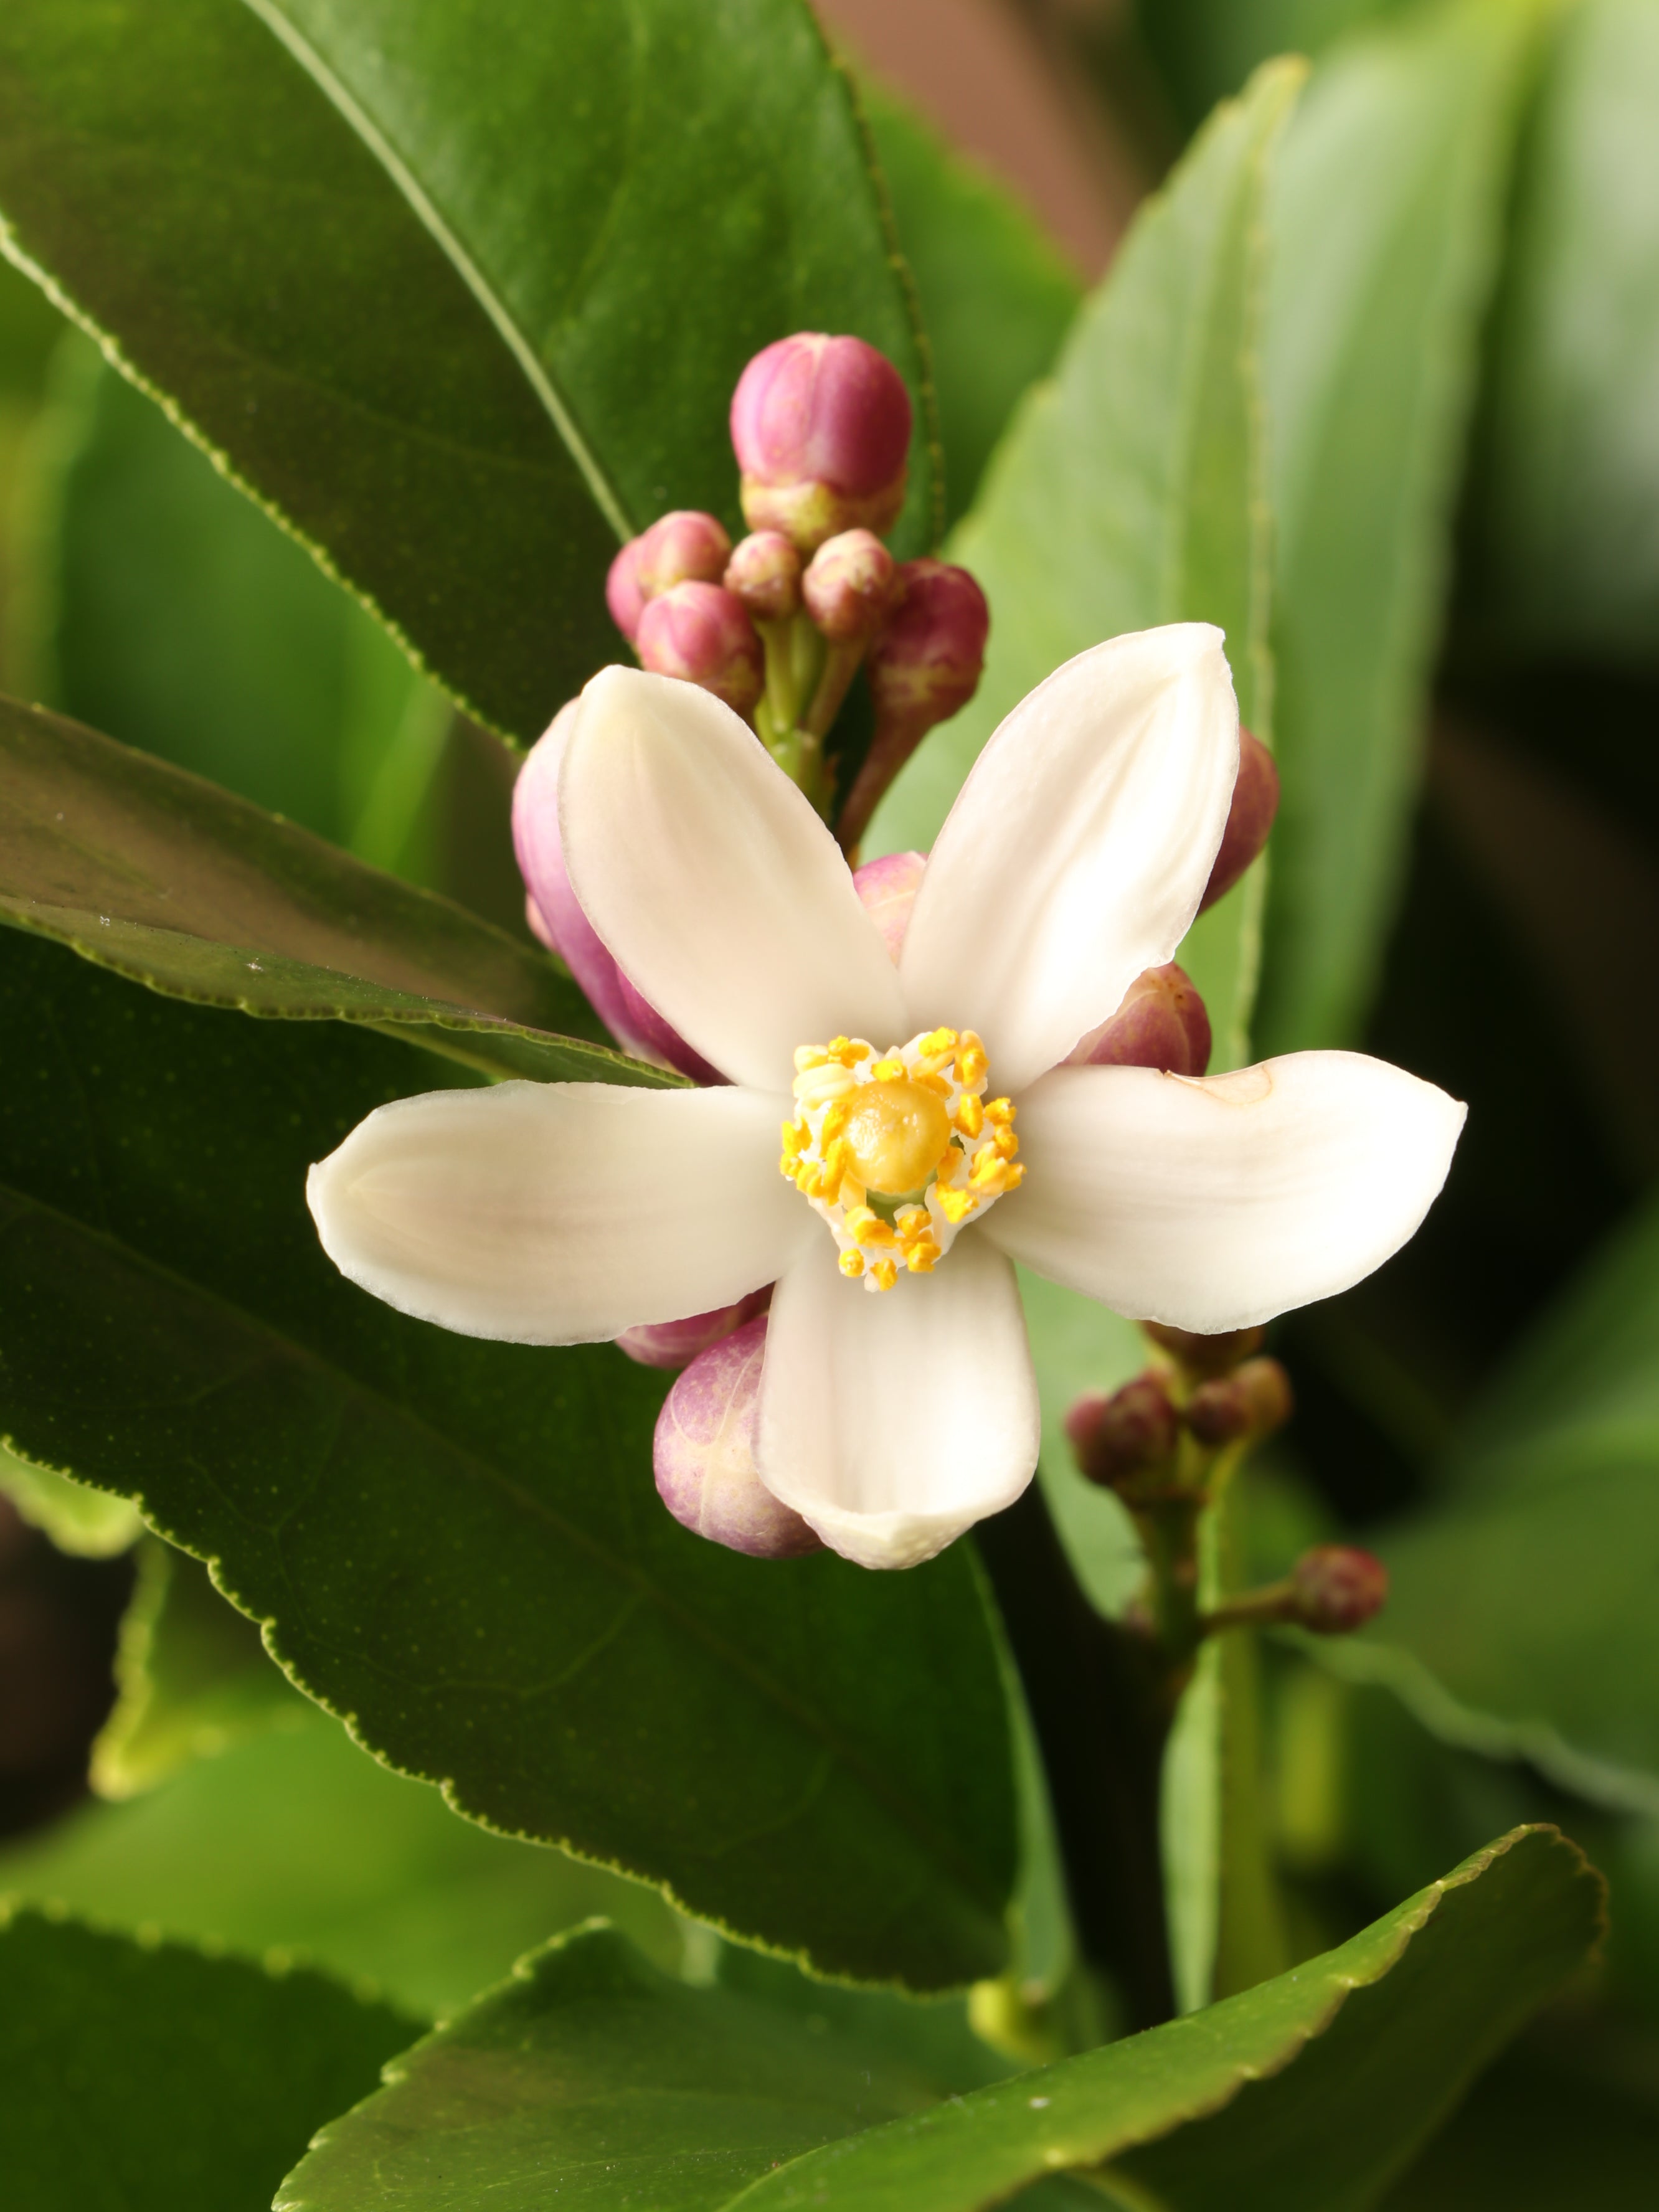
(1078, 849)
(561, 1213)
(1215, 1204)
(891, 1421)
(714, 883)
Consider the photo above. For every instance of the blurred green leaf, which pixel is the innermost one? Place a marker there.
(589, 2064)
(1205, 49)
(146, 2077)
(298, 1840)
(455, 1542)
(996, 296)
(505, 284)
(1387, 210)
(89, 1524)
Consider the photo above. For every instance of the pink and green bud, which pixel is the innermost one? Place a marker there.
(1251, 1402)
(685, 547)
(848, 587)
(821, 428)
(701, 634)
(888, 889)
(1117, 1437)
(1161, 1023)
(1337, 1588)
(1256, 802)
(704, 1454)
(764, 573)
(676, 1344)
(923, 665)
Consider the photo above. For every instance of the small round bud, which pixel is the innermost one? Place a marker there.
(685, 547)
(1161, 1023)
(1256, 802)
(703, 1454)
(1337, 1588)
(888, 888)
(1114, 1438)
(701, 634)
(927, 661)
(1207, 1355)
(764, 573)
(821, 428)
(676, 1344)
(848, 586)
(1254, 1400)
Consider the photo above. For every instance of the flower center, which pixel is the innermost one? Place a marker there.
(898, 1153)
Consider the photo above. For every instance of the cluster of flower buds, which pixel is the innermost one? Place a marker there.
(1155, 1436)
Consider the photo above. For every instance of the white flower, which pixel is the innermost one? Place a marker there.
(1074, 857)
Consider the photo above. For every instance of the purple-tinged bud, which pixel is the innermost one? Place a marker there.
(888, 888)
(1256, 802)
(1119, 1437)
(821, 428)
(685, 547)
(555, 914)
(1207, 1355)
(848, 586)
(764, 573)
(1161, 1023)
(1337, 1588)
(704, 1454)
(1252, 1402)
(922, 666)
(676, 1344)
(701, 633)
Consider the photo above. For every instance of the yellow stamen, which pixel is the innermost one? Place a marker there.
(884, 1274)
(888, 1071)
(969, 1115)
(955, 1205)
(852, 1264)
(936, 1042)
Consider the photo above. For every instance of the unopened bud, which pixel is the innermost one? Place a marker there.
(1253, 1401)
(676, 1344)
(1161, 1023)
(820, 427)
(1256, 802)
(764, 573)
(703, 1454)
(1337, 1588)
(1117, 1437)
(922, 666)
(888, 888)
(701, 634)
(685, 547)
(1207, 1355)
(848, 586)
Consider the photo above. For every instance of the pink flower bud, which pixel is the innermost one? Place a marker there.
(555, 914)
(888, 888)
(764, 573)
(848, 586)
(685, 547)
(1161, 1023)
(1119, 1437)
(1337, 1588)
(704, 1454)
(1207, 1355)
(701, 633)
(1256, 802)
(1253, 1401)
(922, 666)
(820, 427)
(676, 1343)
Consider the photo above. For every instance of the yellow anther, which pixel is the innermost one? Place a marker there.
(884, 1273)
(1007, 1143)
(852, 1264)
(836, 1118)
(937, 1041)
(972, 1066)
(955, 1205)
(848, 1050)
(1001, 1110)
(866, 1227)
(921, 1259)
(910, 1220)
(988, 1172)
(808, 1056)
(969, 1115)
(889, 1071)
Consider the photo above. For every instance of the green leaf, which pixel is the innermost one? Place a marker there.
(147, 2076)
(191, 1678)
(591, 2071)
(457, 1543)
(1520, 1614)
(1566, 556)
(996, 296)
(299, 1841)
(177, 885)
(505, 284)
(87, 1523)
(1205, 49)
(1387, 211)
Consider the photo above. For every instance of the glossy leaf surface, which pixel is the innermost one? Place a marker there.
(695, 2101)
(150, 2076)
(458, 1543)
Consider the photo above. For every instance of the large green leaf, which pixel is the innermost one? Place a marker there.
(504, 287)
(297, 1840)
(457, 1543)
(175, 883)
(592, 2074)
(1387, 214)
(145, 2077)
(1205, 49)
